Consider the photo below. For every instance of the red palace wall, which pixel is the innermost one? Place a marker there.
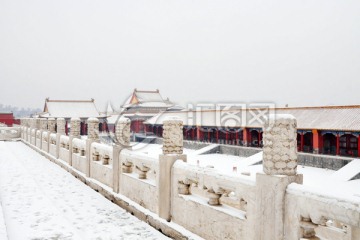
(7, 118)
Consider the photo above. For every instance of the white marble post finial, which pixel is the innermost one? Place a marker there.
(51, 125)
(75, 127)
(122, 131)
(93, 128)
(280, 143)
(43, 124)
(60, 123)
(173, 136)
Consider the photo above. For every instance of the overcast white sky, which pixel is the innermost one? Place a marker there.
(300, 52)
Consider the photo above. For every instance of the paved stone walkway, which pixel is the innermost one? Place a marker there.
(40, 200)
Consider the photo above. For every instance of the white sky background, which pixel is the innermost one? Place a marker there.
(300, 52)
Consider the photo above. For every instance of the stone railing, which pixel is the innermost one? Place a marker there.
(274, 206)
(101, 163)
(313, 214)
(64, 148)
(9, 133)
(33, 136)
(38, 138)
(203, 194)
(52, 144)
(139, 176)
(45, 141)
(79, 154)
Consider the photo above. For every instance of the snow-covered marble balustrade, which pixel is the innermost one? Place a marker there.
(8, 133)
(279, 200)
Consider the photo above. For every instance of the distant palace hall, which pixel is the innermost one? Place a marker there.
(331, 130)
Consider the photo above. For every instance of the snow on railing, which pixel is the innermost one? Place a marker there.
(145, 167)
(323, 215)
(53, 138)
(79, 146)
(234, 191)
(101, 152)
(64, 141)
(45, 136)
(8, 133)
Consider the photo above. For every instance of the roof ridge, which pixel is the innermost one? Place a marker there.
(147, 91)
(92, 100)
(277, 108)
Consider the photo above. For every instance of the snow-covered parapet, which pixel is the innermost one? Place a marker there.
(93, 128)
(75, 127)
(60, 124)
(173, 136)
(79, 146)
(279, 137)
(101, 152)
(28, 122)
(33, 123)
(53, 138)
(145, 166)
(51, 125)
(122, 131)
(45, 136)
(38, 126)
(64, 141)
(43, 124)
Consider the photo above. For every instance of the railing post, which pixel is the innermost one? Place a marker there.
(60, 123)
(51, 129)
(74, 133)
(279, 165)
(172, 151)
(43, 127)
(93, 136)
(27, 129)
(122, 141)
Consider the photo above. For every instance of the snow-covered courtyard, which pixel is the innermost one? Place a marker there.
(40, 200)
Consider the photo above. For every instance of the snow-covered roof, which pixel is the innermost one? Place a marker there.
(338, 118)
(140, 98)
(70, 108)
(148, 96)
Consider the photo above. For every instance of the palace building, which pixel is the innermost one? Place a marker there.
(333, 130)
(68, 109)
(143, 105)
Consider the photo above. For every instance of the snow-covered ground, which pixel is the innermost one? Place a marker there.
(3, 234)
(40, 200)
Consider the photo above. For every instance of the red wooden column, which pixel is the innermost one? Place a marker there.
(245, 136)
(321, 142)
(192, 133)
(301, 141)
(237, 137)
(217, 135)
(198, 133)
(337, 144)
(250, 138)
(226, 137)
(359, 145)
(315, 141)
(66, 128)
(209, 140)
